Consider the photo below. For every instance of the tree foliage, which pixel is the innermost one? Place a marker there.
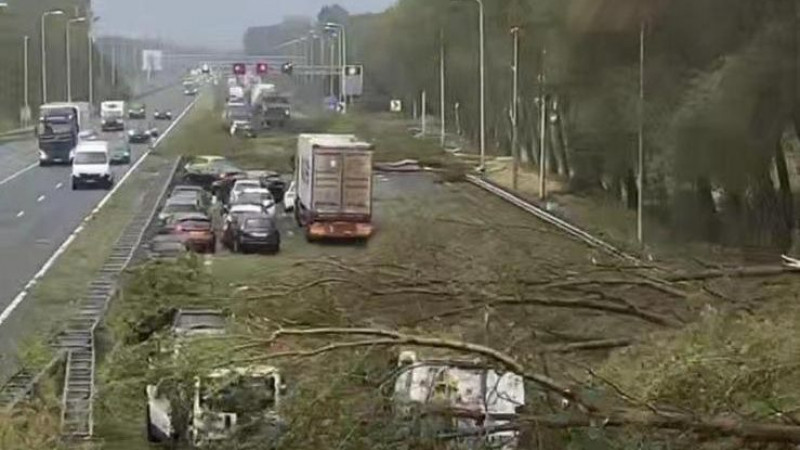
(719, 84)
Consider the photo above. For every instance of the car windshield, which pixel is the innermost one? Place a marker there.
(195, 224)
(239, 112)
(180, 208)
(258, 224)
(121, 149)
(90, 158)
(241, 186)
(253, 198)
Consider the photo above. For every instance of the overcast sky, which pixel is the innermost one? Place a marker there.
(196, 21)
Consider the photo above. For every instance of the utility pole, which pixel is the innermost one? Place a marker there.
(442, 90)
(26, 106)
(424, 113)
(640, 174)
(542, 130)
(515, 112)
(113, 64)
(331, 67)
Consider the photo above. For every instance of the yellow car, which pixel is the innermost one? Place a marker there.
(197, 163)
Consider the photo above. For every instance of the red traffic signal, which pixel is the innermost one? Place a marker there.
(262, 68)
(239, 69)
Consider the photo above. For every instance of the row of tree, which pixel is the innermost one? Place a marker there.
(22, 18)
(719, 81)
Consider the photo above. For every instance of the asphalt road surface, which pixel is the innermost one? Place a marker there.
(39, 210)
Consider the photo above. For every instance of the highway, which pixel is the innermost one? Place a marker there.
(39, 210)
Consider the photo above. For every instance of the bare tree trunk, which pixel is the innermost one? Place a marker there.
(785, 186)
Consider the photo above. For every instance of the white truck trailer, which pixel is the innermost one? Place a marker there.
(333, 175)
(112, 116)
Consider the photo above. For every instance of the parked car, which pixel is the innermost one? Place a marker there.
(162, 115)
(240, 185)
(254, 232)
(166, 247)
(260, 196)
(232, 216)
(194, 229)
(121, 153)
(196, 163)
(178, 205)
(197, 191)
(289, 197)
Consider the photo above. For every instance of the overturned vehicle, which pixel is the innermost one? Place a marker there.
(222, 405)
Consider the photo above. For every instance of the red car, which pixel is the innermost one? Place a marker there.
(195, 230)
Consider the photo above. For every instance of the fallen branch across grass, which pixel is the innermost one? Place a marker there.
(589, 415)
(739, 272)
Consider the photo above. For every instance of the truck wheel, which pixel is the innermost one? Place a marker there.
(236, 248)
(43, 163)
(75, 185)
(297, 217)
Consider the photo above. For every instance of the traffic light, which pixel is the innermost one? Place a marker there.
(287, 68)
(262, 68)
(239, 69)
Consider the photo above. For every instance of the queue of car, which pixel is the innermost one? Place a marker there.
(247, 203)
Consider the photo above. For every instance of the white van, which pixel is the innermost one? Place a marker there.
(91, 165)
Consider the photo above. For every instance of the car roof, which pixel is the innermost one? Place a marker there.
(245, 208)
(181, 200)
(258, 190)
(92, 147)
(190, 216)
(187, 187)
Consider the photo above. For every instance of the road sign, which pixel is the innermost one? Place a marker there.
(152, 61)
(396, 106)
(353, 80)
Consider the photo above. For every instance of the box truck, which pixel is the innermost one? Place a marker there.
(333, 176)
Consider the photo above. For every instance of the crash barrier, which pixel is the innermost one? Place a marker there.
(546, 216)
(77, 340)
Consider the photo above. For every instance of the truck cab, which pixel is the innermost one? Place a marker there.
(57, 133)
(277, 110)
(112, 116)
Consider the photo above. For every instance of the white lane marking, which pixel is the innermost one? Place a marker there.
(65, 245)
(21, 213)
(40, 199)
(58, 186)
(18, 173)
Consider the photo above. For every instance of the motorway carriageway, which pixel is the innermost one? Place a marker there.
(39, 211)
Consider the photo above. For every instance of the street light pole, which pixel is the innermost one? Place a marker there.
(482, 38)
(515, 111)
(640, 175)
(26, 71)
(442, 87)
(343, 61)
(69, 57)
(56, 12)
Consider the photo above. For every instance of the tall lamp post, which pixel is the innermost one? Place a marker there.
(515, 110)
(90, 40)
(45, 15)
(69, 57)
(343, 49)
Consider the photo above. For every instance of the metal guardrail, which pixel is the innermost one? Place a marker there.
(77, 339)
(15, 134)
(559, 223)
